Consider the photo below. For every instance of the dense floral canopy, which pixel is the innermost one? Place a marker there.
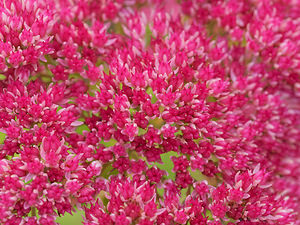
(150, 112)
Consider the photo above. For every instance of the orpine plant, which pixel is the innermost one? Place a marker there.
(96, 97)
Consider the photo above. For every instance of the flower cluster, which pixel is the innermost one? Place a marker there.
(150, 111)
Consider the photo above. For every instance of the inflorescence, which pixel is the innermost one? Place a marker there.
(150, 112)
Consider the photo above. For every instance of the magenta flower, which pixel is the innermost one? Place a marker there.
(150, 112)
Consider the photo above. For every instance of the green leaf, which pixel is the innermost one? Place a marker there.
(81, 128)
(2, 137)
(109, 143)
(211, 99)
(108, 170)
(2, 77)
(148, 35)
(68, 219)
(167, 164)
(151, 93)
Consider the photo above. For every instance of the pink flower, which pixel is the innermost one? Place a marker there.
(180, 217)
(50, 151)
(150, 112)
(218, 209)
